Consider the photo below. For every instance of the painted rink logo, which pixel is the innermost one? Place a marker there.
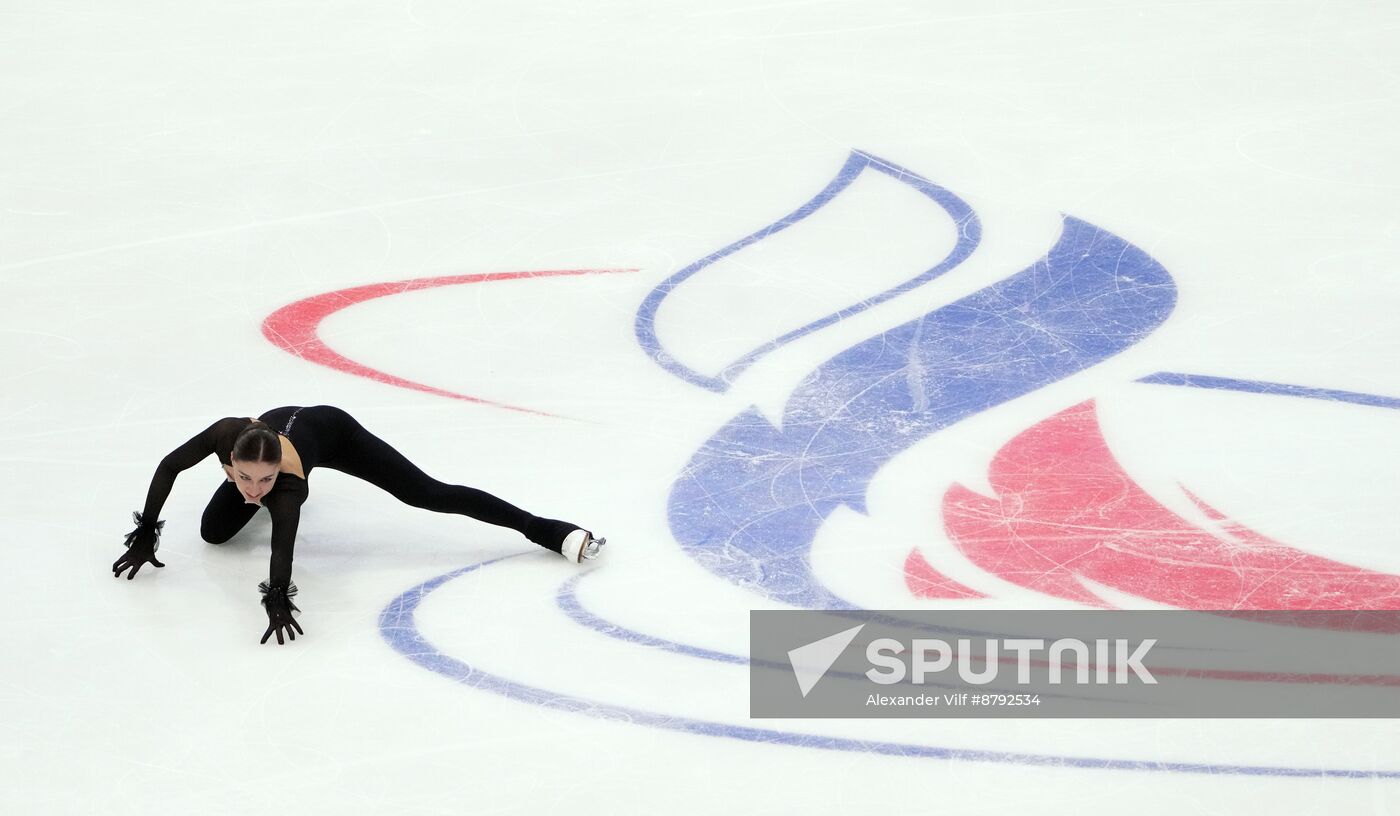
(752, 499)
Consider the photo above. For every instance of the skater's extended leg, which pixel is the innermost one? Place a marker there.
(368, 457)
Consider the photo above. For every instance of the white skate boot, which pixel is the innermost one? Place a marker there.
(580, 545)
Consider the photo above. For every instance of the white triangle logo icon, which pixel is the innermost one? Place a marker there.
(810, 662)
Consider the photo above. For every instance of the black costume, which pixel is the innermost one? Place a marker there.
(323, 436)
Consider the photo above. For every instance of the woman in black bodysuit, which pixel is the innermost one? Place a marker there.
(269, 469)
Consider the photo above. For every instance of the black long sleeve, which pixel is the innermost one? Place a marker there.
(283, 503)
(185, 457)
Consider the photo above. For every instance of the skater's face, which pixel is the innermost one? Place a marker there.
(254, 479)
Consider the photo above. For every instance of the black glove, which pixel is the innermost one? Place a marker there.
(277, 600)
(141, 546)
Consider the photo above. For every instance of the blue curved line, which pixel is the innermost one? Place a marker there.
(1270, 388)
(566, 598)
(969, 235)
(399, 628)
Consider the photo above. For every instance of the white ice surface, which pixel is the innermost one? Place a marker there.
(172, 173)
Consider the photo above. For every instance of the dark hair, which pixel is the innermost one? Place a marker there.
(257, 443)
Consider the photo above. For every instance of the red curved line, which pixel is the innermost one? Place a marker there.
(294, 328)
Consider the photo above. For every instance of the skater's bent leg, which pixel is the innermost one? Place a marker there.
(226, 514)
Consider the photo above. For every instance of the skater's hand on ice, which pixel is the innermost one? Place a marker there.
(279, 624)
(134, 558)
(277, 600)
(141, 546)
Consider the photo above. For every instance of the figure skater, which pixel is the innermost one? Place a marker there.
(265, 468)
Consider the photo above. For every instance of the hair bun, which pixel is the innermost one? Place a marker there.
(257, 443)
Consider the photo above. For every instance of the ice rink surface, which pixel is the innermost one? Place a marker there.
(885, 305)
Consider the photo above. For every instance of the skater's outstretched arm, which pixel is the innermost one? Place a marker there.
(284, 505)
(142, 542)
